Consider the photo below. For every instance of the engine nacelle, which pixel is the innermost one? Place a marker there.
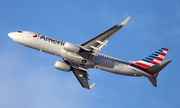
(62, 66)
(71, 47)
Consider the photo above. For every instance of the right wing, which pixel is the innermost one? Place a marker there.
(95, 44)
(82, 77)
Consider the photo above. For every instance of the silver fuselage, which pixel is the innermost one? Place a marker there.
(56, 47)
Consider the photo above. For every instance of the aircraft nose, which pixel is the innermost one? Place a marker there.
(11, 35)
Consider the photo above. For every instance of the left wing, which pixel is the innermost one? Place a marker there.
(82, 77)
(95, 44)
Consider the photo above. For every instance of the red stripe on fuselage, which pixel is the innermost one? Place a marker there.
(142, 69)
(141, 64)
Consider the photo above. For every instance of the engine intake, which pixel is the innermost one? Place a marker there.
(71, 47)
(62, 66)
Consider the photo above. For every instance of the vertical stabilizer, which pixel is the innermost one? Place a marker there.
(153, 59)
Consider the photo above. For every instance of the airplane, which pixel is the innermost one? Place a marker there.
(79, 58)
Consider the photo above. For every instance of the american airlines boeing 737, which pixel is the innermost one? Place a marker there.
(79, 58)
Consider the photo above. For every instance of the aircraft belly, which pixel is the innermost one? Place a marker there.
(138, 72)
(122, 70)
(76, 60)
(104, 63)
(110, 67)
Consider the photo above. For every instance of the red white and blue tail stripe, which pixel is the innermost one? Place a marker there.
(153, 59)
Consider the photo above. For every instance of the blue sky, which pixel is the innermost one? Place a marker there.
(28, 78)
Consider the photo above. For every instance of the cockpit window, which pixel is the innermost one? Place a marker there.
(19, 31)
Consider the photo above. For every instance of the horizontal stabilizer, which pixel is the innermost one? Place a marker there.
(153, 80)
(158, 67)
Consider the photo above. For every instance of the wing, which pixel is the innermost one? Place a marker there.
(82, 77)
(95, 44)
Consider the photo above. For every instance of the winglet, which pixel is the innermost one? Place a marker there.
(124, 22)
(92, 85)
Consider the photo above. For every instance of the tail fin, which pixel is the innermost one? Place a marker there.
(153, 59)
(156, 69)
(154, 63)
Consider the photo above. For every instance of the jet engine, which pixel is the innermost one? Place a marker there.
(71, 47)
(62, 66)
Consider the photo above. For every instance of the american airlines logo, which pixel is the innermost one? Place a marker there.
(35, 36)
(48, 39)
